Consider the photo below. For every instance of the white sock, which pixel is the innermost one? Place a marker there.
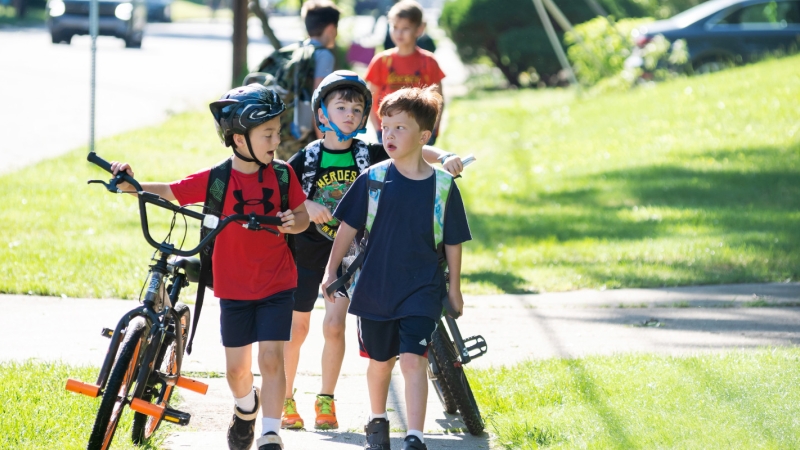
(373, 416)
(247, 404)
(268, 424)
(416, 433)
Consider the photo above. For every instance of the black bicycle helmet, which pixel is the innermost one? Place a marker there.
(244, 108)
(336, 80)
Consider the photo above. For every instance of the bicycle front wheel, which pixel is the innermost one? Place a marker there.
(159, 393)
(440, 384)
(456, 380)
(119, 385)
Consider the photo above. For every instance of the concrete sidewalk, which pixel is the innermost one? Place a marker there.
(516, 327)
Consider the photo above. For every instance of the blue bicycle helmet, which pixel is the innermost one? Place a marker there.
(336, 80)
(242, 109)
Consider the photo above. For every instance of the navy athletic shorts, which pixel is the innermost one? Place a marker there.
(307, 292)
(244, 322)
(383, 340)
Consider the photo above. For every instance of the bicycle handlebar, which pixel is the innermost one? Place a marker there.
(254, 221)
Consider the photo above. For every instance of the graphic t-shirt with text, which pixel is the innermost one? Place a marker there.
(390, 72)
(337, 170)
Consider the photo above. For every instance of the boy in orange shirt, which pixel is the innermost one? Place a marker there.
(405, 65)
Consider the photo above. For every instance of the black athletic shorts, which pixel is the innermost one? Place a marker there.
(383, 340)
(307, 292)
(244, 322)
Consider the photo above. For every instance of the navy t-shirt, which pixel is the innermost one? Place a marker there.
(400, 275)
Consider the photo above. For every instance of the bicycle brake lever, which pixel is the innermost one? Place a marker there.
(109, 187)
(253, 224)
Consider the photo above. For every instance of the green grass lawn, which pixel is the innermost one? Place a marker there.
(36, 411)
(694, 181)
(737, 400)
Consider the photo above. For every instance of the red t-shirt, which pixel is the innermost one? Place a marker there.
(390, 72)
(248, 265)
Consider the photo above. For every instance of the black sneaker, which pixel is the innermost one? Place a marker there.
(377, 431)
(413, 443)
(241, 429)
(270, 441)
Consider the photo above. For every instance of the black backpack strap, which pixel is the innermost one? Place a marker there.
(281, 170)
(215, 200)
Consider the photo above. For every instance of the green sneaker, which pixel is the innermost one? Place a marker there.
(326, 413)
(290, 419)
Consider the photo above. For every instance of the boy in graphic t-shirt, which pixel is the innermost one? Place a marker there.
(254, 275)
(405, 65)
(326, 168)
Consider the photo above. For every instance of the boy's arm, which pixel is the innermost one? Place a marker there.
(451, 162)
(373, 115)
(453, 255)
(161, 189)
(344, 236)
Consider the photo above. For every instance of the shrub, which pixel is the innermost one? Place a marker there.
(604, 47)
(511, 35)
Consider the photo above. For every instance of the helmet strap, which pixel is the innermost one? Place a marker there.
(342, 137)
(254, 159)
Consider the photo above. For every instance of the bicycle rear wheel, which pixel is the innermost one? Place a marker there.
(115, 396)
(159, 393)
(456, 380)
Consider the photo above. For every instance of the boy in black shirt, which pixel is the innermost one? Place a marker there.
(399, 291)
(326, 169)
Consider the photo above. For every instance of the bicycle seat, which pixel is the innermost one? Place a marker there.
(190, 265)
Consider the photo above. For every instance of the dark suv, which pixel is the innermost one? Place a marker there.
(728, 31)
(120, 18)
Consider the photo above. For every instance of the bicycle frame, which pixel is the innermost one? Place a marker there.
(160, 310)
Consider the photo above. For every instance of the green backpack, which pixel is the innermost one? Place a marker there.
(351, 264)
(289, 71)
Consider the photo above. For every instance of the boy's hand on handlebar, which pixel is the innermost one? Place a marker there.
(453, 165)
(117, 167)
(287, 217)
(318, 213)
(456, 301)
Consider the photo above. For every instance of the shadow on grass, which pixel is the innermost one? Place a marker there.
(592, 394)
(756, 209)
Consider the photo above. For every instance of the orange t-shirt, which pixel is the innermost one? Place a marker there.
(390, 72)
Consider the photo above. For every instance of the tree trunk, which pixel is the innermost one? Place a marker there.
(511, 76)
(264, 17)
(20, 8)
(239, 42)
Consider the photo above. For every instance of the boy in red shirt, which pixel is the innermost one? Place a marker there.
(254, 273)
(405, 65)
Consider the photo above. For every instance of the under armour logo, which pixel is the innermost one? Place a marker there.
(266, 193)
(423, 342)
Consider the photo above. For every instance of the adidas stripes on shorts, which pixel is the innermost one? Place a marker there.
(383, 340)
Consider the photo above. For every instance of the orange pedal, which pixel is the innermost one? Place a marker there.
(192, 385)
(80, 387)
(148, 408)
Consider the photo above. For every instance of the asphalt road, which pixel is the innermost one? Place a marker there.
(45, 88)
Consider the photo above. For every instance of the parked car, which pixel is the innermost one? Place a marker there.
(159, 10)
(124, 19)
(725, 32)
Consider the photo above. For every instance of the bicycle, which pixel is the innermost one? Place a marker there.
(142, 366)
(447, 355)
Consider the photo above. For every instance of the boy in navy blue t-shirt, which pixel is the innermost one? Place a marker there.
(398, 297)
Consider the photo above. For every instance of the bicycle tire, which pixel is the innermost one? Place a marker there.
(145, 426)
(450, 368)
(440, 387)
(115, 396)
